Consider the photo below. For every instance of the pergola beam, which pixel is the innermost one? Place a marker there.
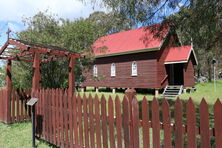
(16, 58)
(4, 47)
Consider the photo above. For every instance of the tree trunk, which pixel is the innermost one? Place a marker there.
(209, 71)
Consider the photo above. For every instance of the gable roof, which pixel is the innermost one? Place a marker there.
(180, 55)
(135, 40)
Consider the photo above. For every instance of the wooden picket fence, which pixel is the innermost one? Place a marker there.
(93, 122)
(14, 109)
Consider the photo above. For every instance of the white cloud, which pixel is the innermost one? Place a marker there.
(14, 10)
(13, 27)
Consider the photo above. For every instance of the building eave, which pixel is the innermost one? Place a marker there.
(128, 52)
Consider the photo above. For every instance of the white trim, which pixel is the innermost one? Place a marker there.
(134, 69)
(175, 62)
(113, 70)
(95, 70)
(194, 54)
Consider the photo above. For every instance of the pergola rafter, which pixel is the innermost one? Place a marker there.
(20, 50)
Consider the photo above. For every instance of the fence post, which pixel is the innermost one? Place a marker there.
(8, 90)
(130, 94)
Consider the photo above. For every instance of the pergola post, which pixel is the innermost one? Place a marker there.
(8, 89)
(71, 75)
(36, 73)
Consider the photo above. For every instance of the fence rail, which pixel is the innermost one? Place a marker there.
(86, 121)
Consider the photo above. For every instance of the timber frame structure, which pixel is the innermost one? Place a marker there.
(20, 50)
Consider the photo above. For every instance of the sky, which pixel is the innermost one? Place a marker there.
(12, 12)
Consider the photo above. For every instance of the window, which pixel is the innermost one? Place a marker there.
(95, 71)
(113, 70)
(134, 68)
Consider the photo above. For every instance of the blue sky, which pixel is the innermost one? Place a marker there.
(12, 12)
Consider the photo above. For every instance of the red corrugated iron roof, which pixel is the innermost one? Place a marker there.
(179, 54)
(128, 41)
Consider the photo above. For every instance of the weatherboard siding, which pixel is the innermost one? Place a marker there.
(146, 71)
(189, 74)
(161, 68)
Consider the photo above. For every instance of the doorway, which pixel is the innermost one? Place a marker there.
(175, 74)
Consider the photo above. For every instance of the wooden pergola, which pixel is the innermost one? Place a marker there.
(20, 50)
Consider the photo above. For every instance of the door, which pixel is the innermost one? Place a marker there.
(175, 74)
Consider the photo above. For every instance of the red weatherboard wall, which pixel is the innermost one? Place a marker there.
(146, 70)
(189, 74)
(161, 69)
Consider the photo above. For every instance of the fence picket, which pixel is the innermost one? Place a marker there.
(166, 123)
(91, 114)
(126, 115)
(111, 122)
(75, 119)
(79, 101)
(57, 116)
(13, 105)
(204, 125)
(218, 123)
(156, 123)
(66, 119)
(191, 124)
(85, 111)
(62, 143)
(53, 115)
(97, 116)
(104, 122)
(135, 120)
(118, 122)
(178, 123)
(70, 106)
(17, 108)
(146, 125)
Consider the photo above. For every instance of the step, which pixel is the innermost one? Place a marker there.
(172, 91)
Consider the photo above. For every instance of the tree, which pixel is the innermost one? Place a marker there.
(111, 22)
(77, 35)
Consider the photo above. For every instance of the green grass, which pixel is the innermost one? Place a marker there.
(205, 90)
(18, 135)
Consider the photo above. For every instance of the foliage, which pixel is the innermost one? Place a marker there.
(2, 76)
(77, 35)
(111, 22)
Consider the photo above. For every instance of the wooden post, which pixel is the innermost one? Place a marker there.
(8, 90)
(114, 90)
(36, 73)
(156, 92)
(82, 89)
(130, 94)
(71, 75)
(97, 89)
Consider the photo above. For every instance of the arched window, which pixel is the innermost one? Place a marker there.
(95, 71)
(113, 70)
(134, 68)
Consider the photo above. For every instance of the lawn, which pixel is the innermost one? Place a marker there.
(18, 135)
(205, 90)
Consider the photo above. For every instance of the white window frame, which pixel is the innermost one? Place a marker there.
(113, 70)
(95, 71)
(134, 68)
